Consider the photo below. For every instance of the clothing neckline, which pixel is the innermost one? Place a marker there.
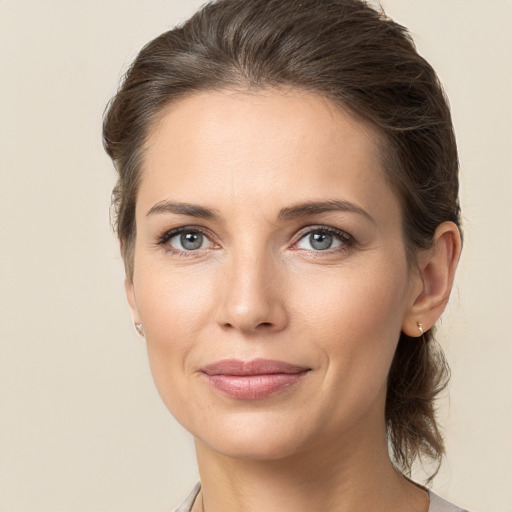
(437, 504)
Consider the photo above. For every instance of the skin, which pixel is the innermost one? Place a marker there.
(258, 288)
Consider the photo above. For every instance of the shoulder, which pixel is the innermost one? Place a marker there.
(186, 506)
(438, 504)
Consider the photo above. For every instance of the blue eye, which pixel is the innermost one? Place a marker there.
(186, 240)
(323, 239)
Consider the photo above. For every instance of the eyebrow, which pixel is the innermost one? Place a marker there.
(316, 207)
(296, 211)
(192, 210)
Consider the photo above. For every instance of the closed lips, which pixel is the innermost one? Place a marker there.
(251, 380)
(254, 367)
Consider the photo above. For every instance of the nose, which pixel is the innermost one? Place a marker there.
(252, 296)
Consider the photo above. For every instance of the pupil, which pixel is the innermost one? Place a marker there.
(191, 241)
(320, 241)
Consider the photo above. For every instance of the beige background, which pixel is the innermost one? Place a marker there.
(81, 426)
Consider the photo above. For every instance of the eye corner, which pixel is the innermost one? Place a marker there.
(164, 240)
(344, 240)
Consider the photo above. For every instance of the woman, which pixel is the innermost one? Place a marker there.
(287, 209)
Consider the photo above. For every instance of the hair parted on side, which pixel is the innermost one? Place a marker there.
(364, 62)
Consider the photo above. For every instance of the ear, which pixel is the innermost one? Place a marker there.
(435, 276)
(130, 296)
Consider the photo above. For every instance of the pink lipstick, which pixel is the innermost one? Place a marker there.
(251, 380)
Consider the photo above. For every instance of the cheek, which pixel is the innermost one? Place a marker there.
(172, 298)
(355, 320)
(367, 298)
(173, 307)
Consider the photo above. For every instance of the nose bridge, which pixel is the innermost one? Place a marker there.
(252, 298)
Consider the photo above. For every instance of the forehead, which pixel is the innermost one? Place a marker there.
(242, 147)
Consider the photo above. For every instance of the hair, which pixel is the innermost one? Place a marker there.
(364, 62)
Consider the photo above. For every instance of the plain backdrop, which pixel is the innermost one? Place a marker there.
(82, 428)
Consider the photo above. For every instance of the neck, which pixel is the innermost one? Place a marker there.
(346, 477)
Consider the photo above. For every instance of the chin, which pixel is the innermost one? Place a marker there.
(262, 450)
(252, 440)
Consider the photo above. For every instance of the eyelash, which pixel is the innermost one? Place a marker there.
(346, 240)
(178, 231)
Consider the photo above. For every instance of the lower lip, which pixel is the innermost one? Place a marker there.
(253, 387)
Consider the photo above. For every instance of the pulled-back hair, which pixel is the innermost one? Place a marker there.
(364, 62)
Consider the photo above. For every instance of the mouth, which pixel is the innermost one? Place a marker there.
(252, 380)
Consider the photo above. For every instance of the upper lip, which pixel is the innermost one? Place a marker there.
(254, 367)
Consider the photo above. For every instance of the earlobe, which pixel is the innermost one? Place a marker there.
(130, 296)
(437, 268)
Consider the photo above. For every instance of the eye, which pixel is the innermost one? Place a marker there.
(186, 240)
(324, 239)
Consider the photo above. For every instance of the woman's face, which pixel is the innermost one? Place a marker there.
(270, 272)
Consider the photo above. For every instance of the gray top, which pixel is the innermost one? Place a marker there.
(437, 504)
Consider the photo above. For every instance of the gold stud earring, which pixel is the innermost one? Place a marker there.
(420, 328)
(138, 328)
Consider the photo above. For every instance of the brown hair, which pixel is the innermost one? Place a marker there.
(364, 62)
